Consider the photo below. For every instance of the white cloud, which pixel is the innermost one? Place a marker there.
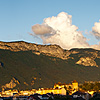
(59, 30)
(96, 30)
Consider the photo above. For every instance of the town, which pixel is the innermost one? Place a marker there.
(71, 91)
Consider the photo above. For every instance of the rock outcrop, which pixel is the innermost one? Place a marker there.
(54, 51)
(87, 61)
(50, 50)
(11, 84)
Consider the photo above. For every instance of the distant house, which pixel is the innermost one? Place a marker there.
(34, 97)
(38, 97)
(45, 97)
(82, 95)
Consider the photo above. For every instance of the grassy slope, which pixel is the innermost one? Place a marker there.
(25, 66)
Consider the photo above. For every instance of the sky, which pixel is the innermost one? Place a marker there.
(68, 23)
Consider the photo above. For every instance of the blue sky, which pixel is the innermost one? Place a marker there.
(18, 16)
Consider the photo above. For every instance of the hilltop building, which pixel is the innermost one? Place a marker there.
(60, 91)
(59, 88)
(73, 86)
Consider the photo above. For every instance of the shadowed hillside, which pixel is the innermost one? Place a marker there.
(27, 69)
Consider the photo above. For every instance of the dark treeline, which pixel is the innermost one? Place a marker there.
(90, 86)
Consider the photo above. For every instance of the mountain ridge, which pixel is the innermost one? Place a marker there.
(35, 66)
(54, 50)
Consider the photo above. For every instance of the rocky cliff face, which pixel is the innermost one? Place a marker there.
(87, 61)
(50, 50)
(11, 84)
(85, 57)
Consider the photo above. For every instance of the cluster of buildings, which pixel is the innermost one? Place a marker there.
(46, 93)
(58, 88)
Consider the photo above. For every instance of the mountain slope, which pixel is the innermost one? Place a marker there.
(28, 68)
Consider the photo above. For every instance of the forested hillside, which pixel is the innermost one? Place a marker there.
(28, 69)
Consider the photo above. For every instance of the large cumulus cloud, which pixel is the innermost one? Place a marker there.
(59, 30)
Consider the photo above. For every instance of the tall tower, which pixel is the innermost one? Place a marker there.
(75, 85)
